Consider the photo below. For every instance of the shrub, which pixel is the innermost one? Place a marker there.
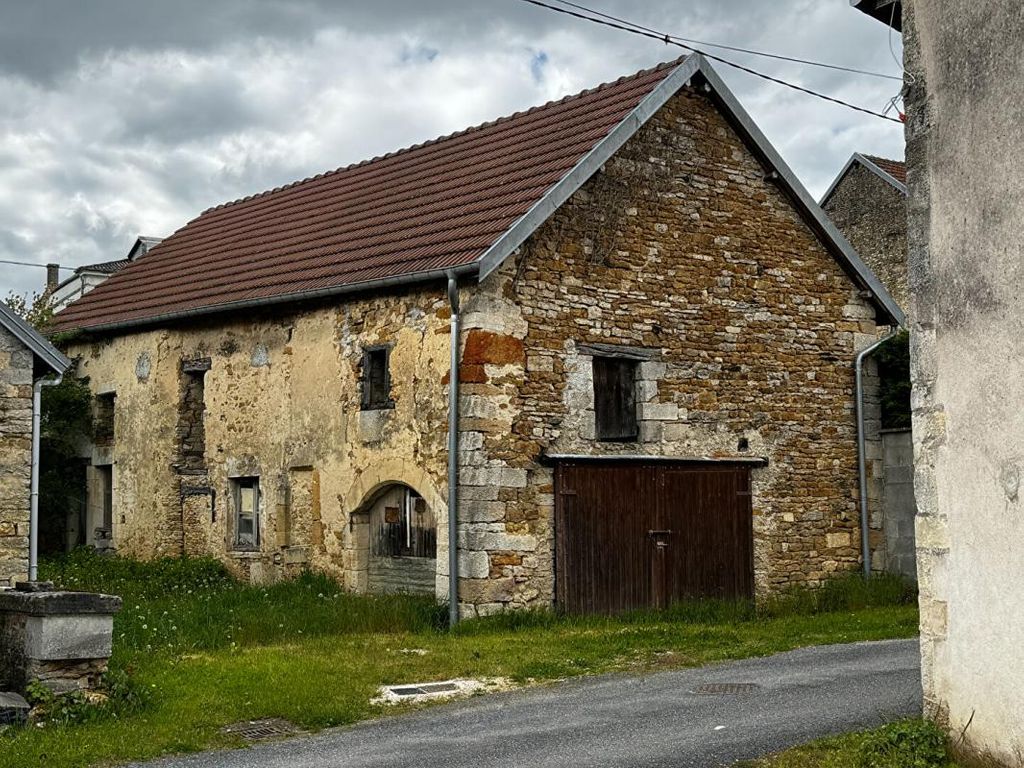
(907, 744)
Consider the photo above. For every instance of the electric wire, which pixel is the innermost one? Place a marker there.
(668, 40)
(737, 49)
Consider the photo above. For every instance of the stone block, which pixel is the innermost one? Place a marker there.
(486, 590)
(474, 511)
(837, 540)
(474, 565)
(13, 709)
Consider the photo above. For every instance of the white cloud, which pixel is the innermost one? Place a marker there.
(129, 138)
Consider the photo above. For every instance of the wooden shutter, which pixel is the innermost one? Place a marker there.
(615, 398)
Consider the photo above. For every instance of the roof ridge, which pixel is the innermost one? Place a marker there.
(446, 137)
(886, 159)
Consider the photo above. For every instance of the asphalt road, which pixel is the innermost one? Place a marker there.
(619, 720)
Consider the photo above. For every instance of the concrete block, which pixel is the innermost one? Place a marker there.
(474, 565)
(658, 411)
(51, 638)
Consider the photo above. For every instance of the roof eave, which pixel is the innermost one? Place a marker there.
(412, 278)
(589, 164)
(812, 212)
(32, 339)
(865, 161)
(889, 12)
(695, 65)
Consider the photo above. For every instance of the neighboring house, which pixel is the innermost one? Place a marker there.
(26, 358)
(658, 329)
(88, 277)
(868, 203)
(965, 176)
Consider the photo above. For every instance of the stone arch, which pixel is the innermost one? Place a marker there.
(370, 570)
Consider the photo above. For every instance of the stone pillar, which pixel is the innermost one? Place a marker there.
(62, 639)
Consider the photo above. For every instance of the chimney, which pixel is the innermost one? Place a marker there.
(52, 277)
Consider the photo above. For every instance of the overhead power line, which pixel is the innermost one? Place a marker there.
(737, 49)
(627, 26)
(33, 264)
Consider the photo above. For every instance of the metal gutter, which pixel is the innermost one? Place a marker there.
(33, 515)
(857, 157)
(453, 455)
(858, 372)
(337, 290)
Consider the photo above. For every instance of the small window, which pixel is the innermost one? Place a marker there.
(615, 398)
(376, 379)
(247, 512)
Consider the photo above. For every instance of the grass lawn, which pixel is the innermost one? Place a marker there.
(907, 744)
(194, 651)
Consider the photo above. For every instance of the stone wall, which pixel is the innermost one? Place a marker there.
(680, 247)
(280, 402)
(965, 222)
(872, 215)
(16, 364)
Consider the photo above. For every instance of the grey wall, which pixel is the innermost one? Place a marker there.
(966, 267)
(898, 506)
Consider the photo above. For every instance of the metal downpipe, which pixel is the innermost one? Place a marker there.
(453, 456)
(858, 369)
(33, 515)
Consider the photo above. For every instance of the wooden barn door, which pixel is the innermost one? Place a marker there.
(603, 558)
(632, 535)
(711, 552)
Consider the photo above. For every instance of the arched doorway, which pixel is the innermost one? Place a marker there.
(403, 542)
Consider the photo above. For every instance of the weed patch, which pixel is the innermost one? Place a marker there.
(195, 651)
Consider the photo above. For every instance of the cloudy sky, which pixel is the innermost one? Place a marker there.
(127, 117)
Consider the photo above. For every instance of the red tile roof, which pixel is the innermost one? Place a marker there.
(895, 168)
(430, 207)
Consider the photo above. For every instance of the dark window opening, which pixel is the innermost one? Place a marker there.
(103, 428)
(615, 398)
(245, 493)
(191, 412)
(376, 379)
(105, 477)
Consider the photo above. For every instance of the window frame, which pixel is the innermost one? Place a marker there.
(604, 423)
(370, 399)
(237, 486)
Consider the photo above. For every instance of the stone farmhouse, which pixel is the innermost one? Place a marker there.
(868, 203)
(27, 360)
(654, 335)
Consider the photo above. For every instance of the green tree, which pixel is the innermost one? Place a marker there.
(893, 359)
(64, 431)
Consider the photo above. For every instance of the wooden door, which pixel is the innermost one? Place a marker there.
(633, 534)
(708, 510)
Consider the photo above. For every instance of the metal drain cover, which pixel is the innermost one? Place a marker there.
(419, 690)
(724, 689)
(262, 730)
